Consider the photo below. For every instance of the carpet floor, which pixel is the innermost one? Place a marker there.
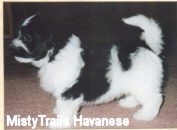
(24, 97)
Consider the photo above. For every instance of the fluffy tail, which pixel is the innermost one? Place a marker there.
(152, 34)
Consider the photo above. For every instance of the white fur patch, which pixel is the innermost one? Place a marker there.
(27, 21)
(24, 60)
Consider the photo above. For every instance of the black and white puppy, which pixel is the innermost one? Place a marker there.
(93, 59)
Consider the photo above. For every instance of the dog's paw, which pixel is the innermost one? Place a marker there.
(128, 102)
(56, 111)
(143, 115)
(57, 126)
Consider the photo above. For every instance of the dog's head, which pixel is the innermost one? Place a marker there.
(33, 42)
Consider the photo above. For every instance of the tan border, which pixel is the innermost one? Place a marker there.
(1, 70)
(2, 53)
(90, 0)
(100, 129)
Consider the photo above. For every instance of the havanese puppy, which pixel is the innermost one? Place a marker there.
(93, 59)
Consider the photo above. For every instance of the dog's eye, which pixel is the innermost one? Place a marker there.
(27, 38)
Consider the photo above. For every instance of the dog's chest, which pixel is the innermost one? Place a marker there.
(63, 72)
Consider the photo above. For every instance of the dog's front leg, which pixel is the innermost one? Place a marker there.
(66, 109)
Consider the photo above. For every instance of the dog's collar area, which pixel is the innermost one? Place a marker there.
(45, 60)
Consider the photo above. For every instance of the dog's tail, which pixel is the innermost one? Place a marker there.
(152, 34)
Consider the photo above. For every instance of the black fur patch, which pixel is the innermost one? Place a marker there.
(92, 82)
